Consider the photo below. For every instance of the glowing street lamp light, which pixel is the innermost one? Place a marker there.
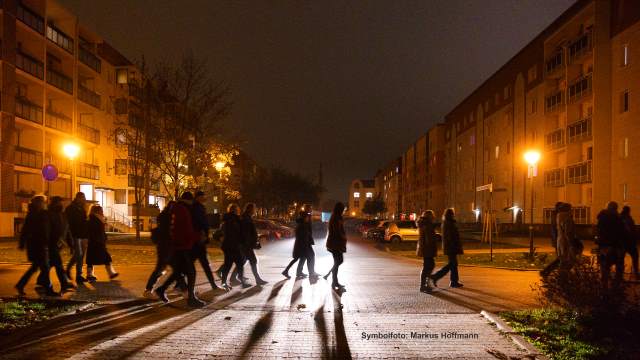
(532, 157)
(72, 151)
(220, 166)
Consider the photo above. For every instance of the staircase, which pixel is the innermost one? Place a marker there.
(118, 221)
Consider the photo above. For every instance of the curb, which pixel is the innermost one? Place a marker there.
(517, 339)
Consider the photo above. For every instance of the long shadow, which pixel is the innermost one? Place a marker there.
(499, 305)
(276, 289)
(342, 350)
(110, 329)
(296, 294)
(321, 327)
(481, 292)
(442, 295)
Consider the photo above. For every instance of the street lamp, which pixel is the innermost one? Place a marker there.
(532, 157)
(220, 165)
(71, 151)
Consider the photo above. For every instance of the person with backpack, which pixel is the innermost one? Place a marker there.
(201, 226)
(631, 239)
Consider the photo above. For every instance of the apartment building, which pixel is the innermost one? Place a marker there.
(435, 177)
(414, 178)
(63, 84)
(360, 191)
(388, 184)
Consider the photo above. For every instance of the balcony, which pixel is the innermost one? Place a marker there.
(88, 58)
(28, 111)
(554, 177)
(581, 46)
(153, 185)
(59, 38)
(579, 173)
(28, 158)
(579, 130)
(63, 165)
(554, 140)
(88, 133)
(553, 63)
(60, 81)
(88, 171)
(58, 121)
(579, 88)
(88, 96)
(553, 101)
(30, 18)
(30, 65)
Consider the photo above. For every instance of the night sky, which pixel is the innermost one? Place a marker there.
(346, 84)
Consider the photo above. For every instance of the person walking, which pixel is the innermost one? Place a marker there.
(452, 247)
(77, 218)
(35, 237)
(59, 234)
(569, 246)
(250, 241)
(336, 244)
(201, 226)
(631, 239)
(231, 245)
(610, 241)
(427, 248)
(554, 241)
(183, 237)
(303, 240)
(97, 253)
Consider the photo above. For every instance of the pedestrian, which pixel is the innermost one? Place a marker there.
(554, 241)
(303, 240)
(97, 253)
(452, 247)
(35, 237)
(631, 240)
(610, 241)
(183, 237)
(427, 248)
(77, 218)
(250, 241)
(336, 244)
(569, 246)
(231, 245)
(59, 236)
(201, 226)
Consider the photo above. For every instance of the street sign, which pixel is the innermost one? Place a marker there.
(50, 172)
(485, 187)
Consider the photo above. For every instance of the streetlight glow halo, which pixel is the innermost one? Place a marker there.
(532, 157)
(71, 150)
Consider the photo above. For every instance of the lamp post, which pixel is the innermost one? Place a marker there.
(71, 151)
(532, 157)
(220, 165)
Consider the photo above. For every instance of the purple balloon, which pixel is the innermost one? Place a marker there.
(50, 172)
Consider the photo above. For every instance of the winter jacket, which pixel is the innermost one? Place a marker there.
(304, 238)
(97, 253)
(161, 235)
(426, 246)
(568, 244)
(631, 238)
(610, 229)
(59, 228)
(249, 232)
(35, 236)
(183, 234)
(77, 218)
(337, 238)
(451, 243)
(232, 233)
(199, 218)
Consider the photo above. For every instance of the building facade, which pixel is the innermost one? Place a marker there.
(63, 84)
(359, 192)
(388, 183)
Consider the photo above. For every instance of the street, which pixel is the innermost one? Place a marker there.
(297, 319)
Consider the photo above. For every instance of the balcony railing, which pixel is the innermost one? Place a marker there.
(153, 185)
(553, 101)
(28, 158)
(554, 140)
(554, 177)
(28, 111)
(87, 96)
(58, 121)
(579, 88)
(30, 65)
(579, 130)
(88, 58)
(134, 90)
(88, 171)
(579, 173)
(581, 46)
(59, 38)
(60, 81)
(554, 63)
(63, 165)
(30, 18)
(88, 133)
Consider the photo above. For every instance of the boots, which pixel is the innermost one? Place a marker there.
(90, 276)
(256, 275)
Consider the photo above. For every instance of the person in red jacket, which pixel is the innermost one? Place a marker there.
(183, 237)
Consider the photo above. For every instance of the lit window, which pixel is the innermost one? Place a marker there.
(122, 76)
(497, 151)
(215, 199)
(356, 194)
(625, 192)
(369, 195)
(625, 55)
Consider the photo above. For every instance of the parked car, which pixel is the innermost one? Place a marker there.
(398, 231)
(268, 230)
(366, 225)
(377, 233)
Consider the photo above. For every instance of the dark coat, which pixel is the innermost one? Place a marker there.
(232, 230)
(337, 238)
(610, 229)
(183, 234)
(451, 244)
(35, 236)
(199, 218)
(97, 253)
(77, 218)
(569, 247)
(631, 238)
(161, 235)
(304, 238)
(427, 246)
(59, 228)
(249, 232)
